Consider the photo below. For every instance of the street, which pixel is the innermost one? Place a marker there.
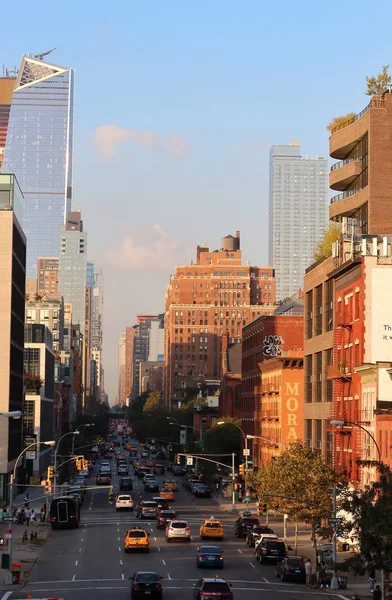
(89, 562)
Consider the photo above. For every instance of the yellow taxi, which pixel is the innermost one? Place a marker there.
(150, 463)
(170, 485)
(167, 493)
(211, 528)
(136, 539)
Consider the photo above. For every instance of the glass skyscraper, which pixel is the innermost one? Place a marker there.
(298, 214)
(39, 151)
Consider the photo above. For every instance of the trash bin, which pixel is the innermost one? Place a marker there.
(342, 582)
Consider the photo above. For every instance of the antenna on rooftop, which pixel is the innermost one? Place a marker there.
(42, 54)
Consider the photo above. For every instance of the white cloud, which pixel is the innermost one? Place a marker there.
(107, 137)
(153, 249)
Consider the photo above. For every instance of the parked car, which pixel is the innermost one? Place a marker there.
(252, 535)
(291, 568)
(146, 584)
(243, 525)
(209, 556)
(178, 530)
(270, 550)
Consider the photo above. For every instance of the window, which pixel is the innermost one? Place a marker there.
(309, 314)
(308, 432)
(319, 383)
(328, 357)
(319, 434)
(329, 306)
(308, 377)
(318, 309)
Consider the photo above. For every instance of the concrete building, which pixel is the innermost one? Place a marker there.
(344, 302)
(121, 369)
(141, 348)
(156, 340)
(130, 333)
(298, 214)
(146, 369)
(31, 287)
(12, 314)
(205, 301)
(265, 339)
(155, 378)
(96, 356)
(49, 312)
(39, 150)
(38, 418)
(48, 276)
(97, 317)
(7, 84)
(73, 265)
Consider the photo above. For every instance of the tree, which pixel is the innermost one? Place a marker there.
(152, 402)
(339, 120)
(378, 85)
(324, 248)
(223, 439)
(298, 481)
(370, 521)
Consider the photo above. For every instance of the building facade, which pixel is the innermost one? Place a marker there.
(49, 312)
(12, 314)
(230, 388)
(73, 265)
(39, 151)
(130, 333)
(48, 276)
(141, 348)
(298, 214)
(121, 369)
(7, 84)
(156, 341)
(205, 301)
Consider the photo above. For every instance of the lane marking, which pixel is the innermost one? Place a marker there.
(264, 579)
(121, 562)
(122, 576)
(73, 578)
(168, 576)
(252, 565)
(240, 551)
(159, 549)
(119, 549)
(118, 539)
(82, 540)
(76, 563)
(80, 549)
(6, 596)
(163, 562)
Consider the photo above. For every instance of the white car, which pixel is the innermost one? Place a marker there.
(178, 530)
(84, 473)
(124, 501)
(263, 536)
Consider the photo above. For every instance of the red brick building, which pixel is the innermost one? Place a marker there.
(230, 389)
(265, 338)
(205, 301)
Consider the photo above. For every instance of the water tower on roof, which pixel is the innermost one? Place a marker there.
(231, 243)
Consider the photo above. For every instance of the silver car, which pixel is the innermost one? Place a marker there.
(178, 530)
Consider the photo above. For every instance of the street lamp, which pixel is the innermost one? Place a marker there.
(55, 458)
(13, 414)
(246, 450)
(258, 437)
(337, 423)
(77, 429)
(8, 579)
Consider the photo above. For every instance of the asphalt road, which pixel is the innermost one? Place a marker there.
(89, 563)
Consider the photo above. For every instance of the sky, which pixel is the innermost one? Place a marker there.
(177, 105)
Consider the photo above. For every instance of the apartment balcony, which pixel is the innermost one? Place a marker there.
(345, 135)
(339, 371)
(269, 413)
(344, 172)
(346, 203)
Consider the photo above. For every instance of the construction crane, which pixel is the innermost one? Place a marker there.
(42, 54)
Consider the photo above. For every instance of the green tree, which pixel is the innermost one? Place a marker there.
(152, 402)
(223, 438)
(370, 521)
(298, 481)
(379, 84)
(324, 248)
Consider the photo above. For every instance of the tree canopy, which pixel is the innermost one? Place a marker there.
(223, 438)
(379, 84)
(339, 120)
(324, 248)
(152, 402)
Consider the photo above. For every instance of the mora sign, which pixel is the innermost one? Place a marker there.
(292, 412)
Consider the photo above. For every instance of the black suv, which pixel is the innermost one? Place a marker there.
(245, 524)
(126, 484)
(252, 535)
(212, 588)
(164, 517)
(146, 510)
(270, 549)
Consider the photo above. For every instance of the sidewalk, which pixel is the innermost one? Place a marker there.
(358, 585)
(25, 552)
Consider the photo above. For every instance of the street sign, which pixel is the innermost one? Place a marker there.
(334, 521)
(183, 437)
(189, 461)
(246, 452)
(31, 455)
(28, 441)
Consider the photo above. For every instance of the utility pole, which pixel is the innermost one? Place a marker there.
(233, 482)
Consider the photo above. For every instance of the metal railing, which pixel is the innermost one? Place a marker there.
(344, 162)
(376, 102)
(345, 194)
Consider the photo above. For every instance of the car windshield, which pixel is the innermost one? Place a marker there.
(150, 504)
(152, 482)
(168, 515)
(209, 550)
(124, 497)
(179, 525)
(213, 525)
(146, 577)
(262, 530)
(216, 586)
(136, 534)
(298, 562)
(249, 521)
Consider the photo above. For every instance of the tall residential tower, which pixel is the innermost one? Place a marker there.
(298, 214)
(39, 151)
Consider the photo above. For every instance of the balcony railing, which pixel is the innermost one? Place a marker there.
(344, 162)
(376, 102)
(345, 194)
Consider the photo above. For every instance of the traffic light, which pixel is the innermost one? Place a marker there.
(111, 496)
(265, 509)
(85, 464)
(241, 469)
(50, 473)
(178, 460)
(79, 464)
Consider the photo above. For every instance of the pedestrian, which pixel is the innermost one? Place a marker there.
(323, 575)
(33, 516)
(377, 593)
(43, 514)
(308, 572)
(372, 579)
(27, 499)
(28, 516)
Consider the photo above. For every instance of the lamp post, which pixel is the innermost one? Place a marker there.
(8, 579)
(336, 423)
(246, 450)
(55, 458)
(77, 429)
(12, 414)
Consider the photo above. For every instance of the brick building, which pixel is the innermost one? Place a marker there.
(48, 276)
(205, 301)
(230, 389)
(264, 339)
(341, 316)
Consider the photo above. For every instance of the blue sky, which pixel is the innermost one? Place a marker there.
(177, 105)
